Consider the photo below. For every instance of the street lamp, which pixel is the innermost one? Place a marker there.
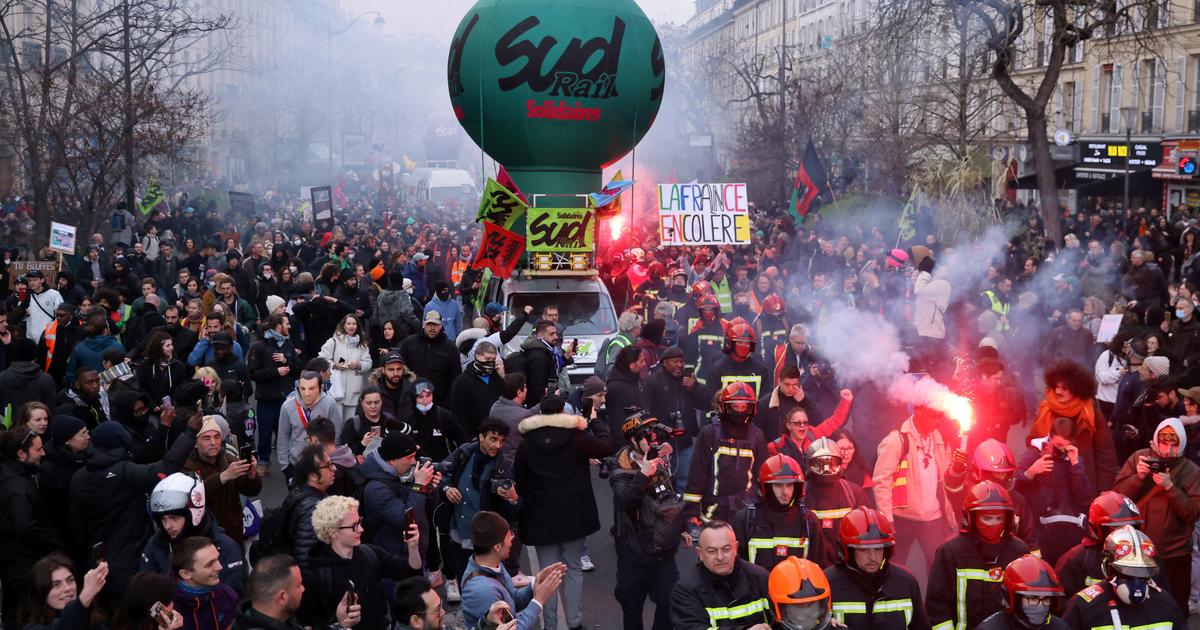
(1127, 114)
(377, 22)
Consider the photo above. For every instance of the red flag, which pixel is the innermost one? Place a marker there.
(810, 181)
(339, 195)
(499, 251)
(506, 180)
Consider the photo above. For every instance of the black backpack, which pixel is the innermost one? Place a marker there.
(274, 535)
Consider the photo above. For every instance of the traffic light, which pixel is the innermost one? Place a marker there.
(1188, 165)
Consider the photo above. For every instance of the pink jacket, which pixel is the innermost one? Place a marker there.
(889, 461)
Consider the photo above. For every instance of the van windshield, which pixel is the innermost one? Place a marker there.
(580, 313)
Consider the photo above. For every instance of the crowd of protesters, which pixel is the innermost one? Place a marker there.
(429, 438)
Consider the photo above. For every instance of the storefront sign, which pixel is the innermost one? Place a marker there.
(1114, 154)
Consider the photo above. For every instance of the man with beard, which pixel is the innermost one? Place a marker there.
(353, 298)
(779, 525)
(672, 396)
(870, 592)
(83, 399)
(447, 307)
(178, 507)
(396, 386)
(184, 337)
(225, 479)
(432, 356)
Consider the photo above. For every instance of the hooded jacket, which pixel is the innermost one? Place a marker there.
(623, 389)
(435, 360)
(396, 305)
(149, 443)
(108, 503)
(931, 298)
(156, 554)
(554, 479)
(1169, 514)
(541, 371)
(26, 531)
(451, 312)
(371, 568)
(24, 381)
(54, 482)
(386, 497)
(90, 353)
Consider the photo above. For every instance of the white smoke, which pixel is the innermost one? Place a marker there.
(860, 346)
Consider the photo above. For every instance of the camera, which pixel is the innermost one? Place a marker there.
(1156, 465)
(677, 429)
(441, 467)
(501, 484)
(606, 466)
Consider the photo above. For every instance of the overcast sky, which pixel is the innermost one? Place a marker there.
(440, 18)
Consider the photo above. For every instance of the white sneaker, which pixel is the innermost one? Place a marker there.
(586, 563)
(452, 594)
(521, 580)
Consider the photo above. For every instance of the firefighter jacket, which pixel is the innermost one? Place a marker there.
(829, 499)
(767, 534)
(956, 486)
(964, 582)
(725, 461)
(1005, 621)
(1079, 568)
(888, 600)
(732, 602)
(725, 370)
(702, 346)
(1097, 606)
(772, 333)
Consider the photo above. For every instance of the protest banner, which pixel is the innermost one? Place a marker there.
(561, 229)
(154, 196)
(703, 214)
(17, 268)
(241, 203)
(322, 202)
(499, 251)
(608, 201)
(500, 206)
(62, 237)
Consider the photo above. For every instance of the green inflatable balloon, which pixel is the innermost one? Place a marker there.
(556, 90)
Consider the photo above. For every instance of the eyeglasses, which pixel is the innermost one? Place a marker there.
(328, 466)
(355, 525)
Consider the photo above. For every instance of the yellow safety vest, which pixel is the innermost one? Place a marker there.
(998, 307)
(963, 577)
(756, 544)
(753, 380)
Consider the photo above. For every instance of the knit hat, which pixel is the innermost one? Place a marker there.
(592, 386)
(1158, 366)
(189, 393)
(63, 428)
(673, 352)
(395, 446)
(233, 254)
(110, 435)
(274, 302)
(23, 349)
(209, 425)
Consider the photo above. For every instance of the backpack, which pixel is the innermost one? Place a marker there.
(603, 365)
(658, 518)
(516, 362)
(274, 536)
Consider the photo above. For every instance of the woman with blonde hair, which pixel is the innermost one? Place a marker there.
(349, 354)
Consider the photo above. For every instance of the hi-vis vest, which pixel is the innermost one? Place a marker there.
(905, 606)
(998, 307)
(50, 334)
(721, 616)
(753, 380)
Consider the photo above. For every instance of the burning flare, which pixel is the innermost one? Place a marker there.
(616, 225)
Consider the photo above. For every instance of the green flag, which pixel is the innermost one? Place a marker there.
(908, 229)
(500, 206)
(154, 196)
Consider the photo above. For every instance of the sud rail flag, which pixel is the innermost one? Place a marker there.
(500, 206)
(500, 250)
(703, 214)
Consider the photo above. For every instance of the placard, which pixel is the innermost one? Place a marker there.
(322, 202)
(49, 268)
(62, 237)
(241, 203)
(560, 230)
(703, 214)
(1109, 326)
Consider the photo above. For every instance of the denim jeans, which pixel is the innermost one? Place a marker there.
(568, 553)
(267, 412)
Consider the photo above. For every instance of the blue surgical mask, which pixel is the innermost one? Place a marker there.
(424, 408)
(1180, 314)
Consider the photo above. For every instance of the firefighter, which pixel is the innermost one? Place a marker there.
(829, 496)
(688, 313)
(1128, 598)
(771, 326)
(800, 595)
(779, 525)
(1031, 596)
(740, 363)
(992, 460)
(870, 592)
(1080, 568)
(722, 590)
(964, 582)
(724, 458)
(705, 337)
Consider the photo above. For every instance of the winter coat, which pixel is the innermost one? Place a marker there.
(264, 371)
(436, 432)
(892, 595)
(964, 601)
(482, 586)
(451, 312)
(24, 381)
(54, 482)
(1063, 490)
(385, 500)
(108, 504)
(354, 300)
(224, 500)
(214, 610)
(92, 411)
(159, 380)
(931, 297)
(541, 375)
(511, 414)
(630, 488)
(357, 426)
(156, 554)
(250, 619)
(743, 595)
(26, 530)
(337, 351)
(554, 479)
(663, 394)
(149, 442)
(319, 318)
(773, 411)
(300, 504)
(328, 575)
(1170, 514)
(1064, 343)
(415, 272)
(203, 353)
(292, 423)
(90, 353)
(396, 305)
(435, 360)
(472, 396)
(472, 472)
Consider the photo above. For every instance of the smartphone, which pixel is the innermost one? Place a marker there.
(167, 403)
(353, 591)
(575, 346)
(161, 615)
(98, 553)
(246, 451)
(505, 615)
(410, 519)
(377, 431)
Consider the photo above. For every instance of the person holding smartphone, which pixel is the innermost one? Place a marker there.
(1053, 480)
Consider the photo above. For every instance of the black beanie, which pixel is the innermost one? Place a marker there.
(63, 428)
(395, 446)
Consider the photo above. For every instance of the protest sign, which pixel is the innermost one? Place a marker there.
(703, 214)
(322, 202)
(499, 206)
(62, 237)
(17, 268)
(241, 203)
(499, 250)
(1109, 325)
(561, 229)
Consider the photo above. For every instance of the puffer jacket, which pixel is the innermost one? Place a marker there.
(90, 353)
(396, 305)
(931, 298)
(386, 497)
(300, 504)
(554, 479)
(26, 531)
(337, 351)
(156, 554)
(24, 381)
(1170, 514)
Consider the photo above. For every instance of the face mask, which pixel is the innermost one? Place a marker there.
(350, 256)
(990, 533)
(443, 295)
(267, 275)
(1036, 615)
(1131, 590)
(294, 269)
(1180, 314)
(485, 367)
(424, 408)
(296, 242)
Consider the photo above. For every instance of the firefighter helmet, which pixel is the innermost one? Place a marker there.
(1031, 576)
(800, 594)
(988, 496)
(737, 400)
(1129, 552)
(864, 528)
(992, 456)
(824, 458)
(780, 468)
(739, 331)
(699, 288)
(773, 305)
(1109, 511)
(708, 300)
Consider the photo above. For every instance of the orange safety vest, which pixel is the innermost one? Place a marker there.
(456, 271)
(50, 334)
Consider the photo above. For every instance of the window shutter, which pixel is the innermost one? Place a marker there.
(1114, 99)
(1096, 98)
(1180, 94)
(1160, 88)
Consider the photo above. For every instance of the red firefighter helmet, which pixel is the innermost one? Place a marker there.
(739, 331)
(780, 468)
(992, 456)
(708, 300)
(699, 288)
(773, 305)
(738, 398)
(1109, 511)
(988, 496)
(797, 585)
(864, 528)
(1031, 576)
